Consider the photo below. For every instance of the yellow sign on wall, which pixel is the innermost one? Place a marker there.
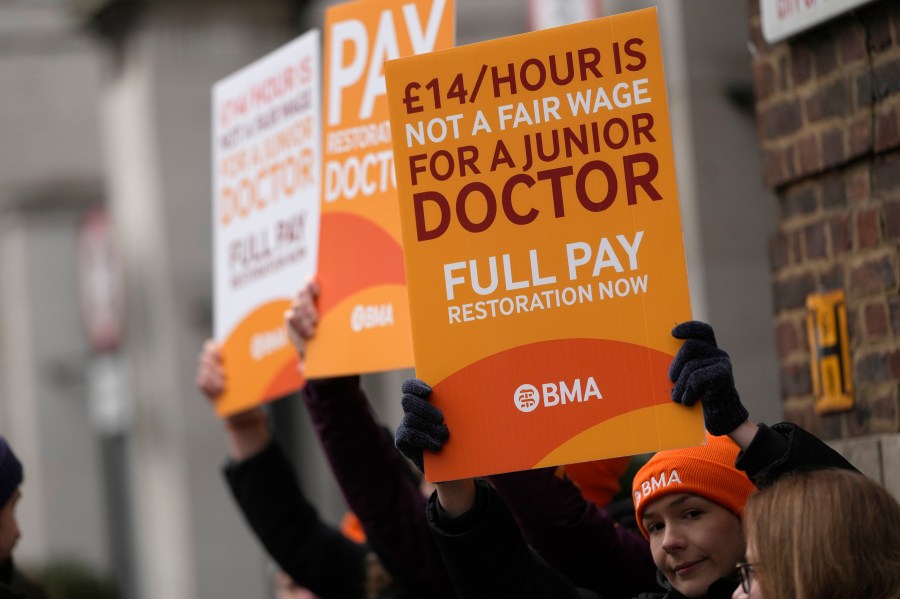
(543, 245)
(829, 344)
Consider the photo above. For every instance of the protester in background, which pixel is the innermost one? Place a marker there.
(377, 482)
(13, 583)
(265, 486)
(692, 524)
(822, 535)
(379, 485)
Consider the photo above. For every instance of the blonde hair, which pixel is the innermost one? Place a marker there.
(825, 534)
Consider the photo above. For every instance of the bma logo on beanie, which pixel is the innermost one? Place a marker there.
(655, 482)
(706, 470)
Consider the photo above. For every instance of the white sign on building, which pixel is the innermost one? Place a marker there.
(783, 18)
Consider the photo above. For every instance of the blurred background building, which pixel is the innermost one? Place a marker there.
(789, 178)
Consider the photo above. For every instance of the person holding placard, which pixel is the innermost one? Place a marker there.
(379, 485)
(265, 487)
(688, 501)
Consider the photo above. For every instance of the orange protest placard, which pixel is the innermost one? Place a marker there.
(364, 324)
(543, 245)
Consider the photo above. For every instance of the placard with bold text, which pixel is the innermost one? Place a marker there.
(543, 245)
(364, 307)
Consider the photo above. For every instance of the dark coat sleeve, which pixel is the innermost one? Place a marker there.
(28, 588)
(378, 484)
(785, 448)
(487, 557)
(313, 553)
(576, 537)
(7, 593)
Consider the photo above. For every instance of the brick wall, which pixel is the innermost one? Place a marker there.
(828, 121)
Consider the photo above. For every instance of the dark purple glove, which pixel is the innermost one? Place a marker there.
(701, 370)
(422, 426)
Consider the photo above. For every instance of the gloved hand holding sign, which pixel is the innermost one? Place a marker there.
(702, 371)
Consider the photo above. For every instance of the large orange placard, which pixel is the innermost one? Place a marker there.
(543, 245)
(364, 325)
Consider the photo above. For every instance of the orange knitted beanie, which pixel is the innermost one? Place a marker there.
(706, 470)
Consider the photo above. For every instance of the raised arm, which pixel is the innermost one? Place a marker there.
(248, 432)
(481, 544)
(376, 481)
(423, 429)
(267, 491)
(702, 371)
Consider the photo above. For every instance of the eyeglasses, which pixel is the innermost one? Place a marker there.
(745, 570)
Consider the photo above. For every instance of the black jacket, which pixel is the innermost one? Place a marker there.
(315, 554)
(7, 593)
(721, 589)
(15, 585)
(487, 556)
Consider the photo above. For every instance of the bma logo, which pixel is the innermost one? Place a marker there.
(370, 317)
(528, 397)
(267, 342)
(650, 486)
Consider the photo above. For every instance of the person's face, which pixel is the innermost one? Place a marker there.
(9, 528)
(755, 588)
(694, 541)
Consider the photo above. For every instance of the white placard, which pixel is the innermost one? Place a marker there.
(266, 157)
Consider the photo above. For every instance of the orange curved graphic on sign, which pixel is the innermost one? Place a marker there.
(616, 435)
(377, 261)
(260, 340)
(570, 391)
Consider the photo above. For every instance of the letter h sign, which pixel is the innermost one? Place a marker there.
(829, 345)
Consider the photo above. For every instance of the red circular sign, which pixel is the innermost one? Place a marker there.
(100, 282)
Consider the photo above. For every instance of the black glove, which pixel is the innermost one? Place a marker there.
(701, 370)
(422, 426)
